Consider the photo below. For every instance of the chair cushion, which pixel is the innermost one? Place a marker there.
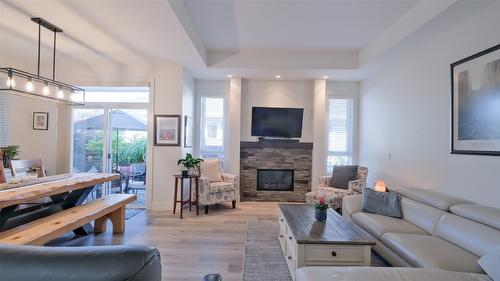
(342, 175)
(210, 169)
(377, 225)
(221, 187)
(344, 273)
(431, 252)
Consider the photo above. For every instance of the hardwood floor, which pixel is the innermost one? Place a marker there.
(193, 246)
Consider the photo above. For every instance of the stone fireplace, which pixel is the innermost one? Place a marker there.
(275, 170)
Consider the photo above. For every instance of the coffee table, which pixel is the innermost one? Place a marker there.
(307, 242)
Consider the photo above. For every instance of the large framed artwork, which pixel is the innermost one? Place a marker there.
(475, 111)
(188, 131)
(167, 130)
(41, 121)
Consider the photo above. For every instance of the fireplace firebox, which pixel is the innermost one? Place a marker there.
(275, 179)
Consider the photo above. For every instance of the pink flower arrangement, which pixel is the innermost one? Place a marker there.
(322, 205)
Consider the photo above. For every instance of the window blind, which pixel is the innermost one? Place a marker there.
(4, 140)
(340, 132)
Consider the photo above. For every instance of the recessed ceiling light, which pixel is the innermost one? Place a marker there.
(325, 77)
(230, 76)
(278, 76)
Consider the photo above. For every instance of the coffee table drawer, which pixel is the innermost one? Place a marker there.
(337, 253)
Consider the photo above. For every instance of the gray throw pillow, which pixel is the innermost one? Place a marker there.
(342, 175)
(381, 203)
(490, 263)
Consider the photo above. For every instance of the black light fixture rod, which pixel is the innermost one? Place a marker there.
(54, 59)
(39, 36)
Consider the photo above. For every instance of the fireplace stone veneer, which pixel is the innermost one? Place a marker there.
(275, 155)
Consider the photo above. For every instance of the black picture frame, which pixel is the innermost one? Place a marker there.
(176, 141)
(188, 132)
(40, 127)
(455, 110)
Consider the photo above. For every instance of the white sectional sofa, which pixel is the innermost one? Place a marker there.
(440, 236)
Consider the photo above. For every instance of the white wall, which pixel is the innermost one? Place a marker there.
(188, 93)
(35, 143)
(405, 109)
(277, 93)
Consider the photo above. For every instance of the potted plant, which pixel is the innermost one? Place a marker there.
(189, 164)
(10, 153)
(321, 211)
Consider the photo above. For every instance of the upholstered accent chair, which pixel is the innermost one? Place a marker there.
(334, 195)
(217, 187)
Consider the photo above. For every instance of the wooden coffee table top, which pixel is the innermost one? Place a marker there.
(336, 230)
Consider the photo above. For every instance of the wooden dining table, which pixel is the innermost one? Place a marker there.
(19, 201)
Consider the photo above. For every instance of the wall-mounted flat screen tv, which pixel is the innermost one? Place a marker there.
(277, 122)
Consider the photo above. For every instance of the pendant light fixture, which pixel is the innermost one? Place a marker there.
(36, 85)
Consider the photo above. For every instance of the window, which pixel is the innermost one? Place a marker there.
(212, 128)
(340, 132)
(117, 94)
(4, 141)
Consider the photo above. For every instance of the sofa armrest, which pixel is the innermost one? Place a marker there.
(229, 178)
(102, 263)
(351, 204)
(357, 185)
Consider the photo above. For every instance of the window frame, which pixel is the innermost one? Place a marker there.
(203, 148)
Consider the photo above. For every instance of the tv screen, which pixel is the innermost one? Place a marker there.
(277, 122)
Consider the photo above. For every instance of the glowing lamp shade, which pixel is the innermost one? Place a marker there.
(380, 186)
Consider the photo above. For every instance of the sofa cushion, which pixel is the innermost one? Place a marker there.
(342, 175)
(210, 169)
(221, 187)
(381, 203)
(377, 225)
(431, 197)
(422, 215)
(431, 252)
(474, 237)
(490, 263)
(485, 215)
(342, 273)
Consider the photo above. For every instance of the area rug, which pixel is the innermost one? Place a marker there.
(264, 259)
(131, 212)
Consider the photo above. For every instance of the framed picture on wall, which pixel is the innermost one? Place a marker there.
(167, 130)
(188, 131)
(40, 121)
(475, 111)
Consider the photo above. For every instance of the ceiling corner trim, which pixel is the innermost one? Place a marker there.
(184, 18)
(423, 12)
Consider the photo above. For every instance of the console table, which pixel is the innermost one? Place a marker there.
(307, 242)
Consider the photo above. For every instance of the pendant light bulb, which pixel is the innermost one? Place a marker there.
(46, 90)
(29, 85)
(10, 80)
(60, 93)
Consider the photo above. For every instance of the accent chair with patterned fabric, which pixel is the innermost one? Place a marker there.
(334, 195)
(217, 187)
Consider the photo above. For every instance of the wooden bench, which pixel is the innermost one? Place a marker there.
(41, 231)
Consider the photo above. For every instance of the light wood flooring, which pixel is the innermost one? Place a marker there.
(193, 246)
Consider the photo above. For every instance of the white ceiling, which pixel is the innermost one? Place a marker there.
(300, 39)
(292, 25)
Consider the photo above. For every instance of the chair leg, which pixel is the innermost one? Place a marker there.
(234, 204)
(206, 209)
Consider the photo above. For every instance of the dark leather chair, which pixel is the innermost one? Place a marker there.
(102, 263)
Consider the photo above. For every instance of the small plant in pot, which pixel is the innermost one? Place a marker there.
(10, 153)
(321, 211)
(190, 165)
